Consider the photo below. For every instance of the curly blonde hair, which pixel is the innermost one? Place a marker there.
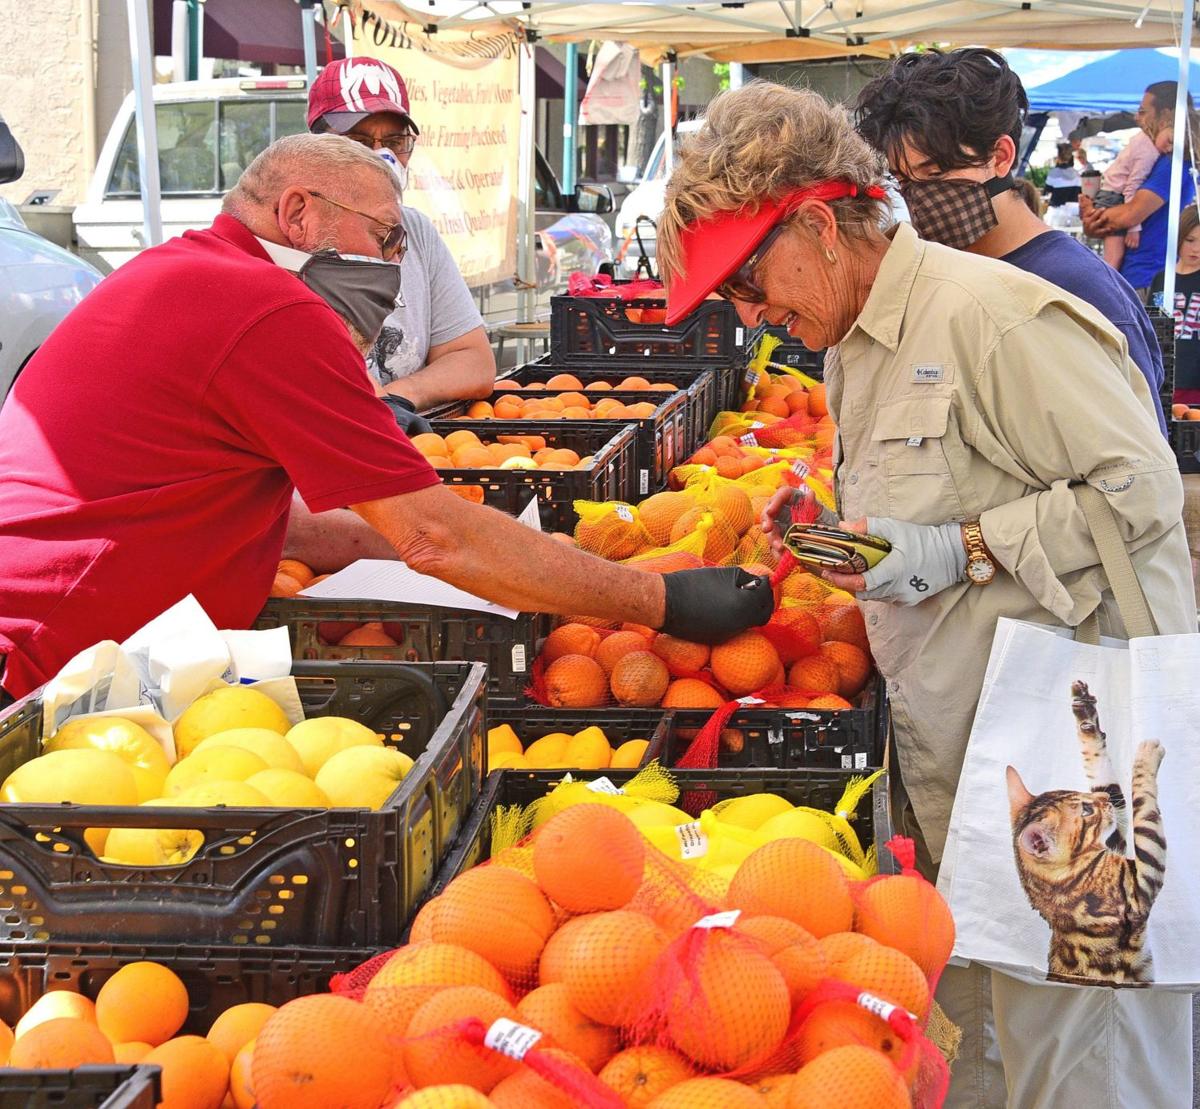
(758, 143)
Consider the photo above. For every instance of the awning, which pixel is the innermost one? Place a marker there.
(265, 31)
(1112, 84)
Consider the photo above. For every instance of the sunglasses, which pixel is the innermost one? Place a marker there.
(742, 285)
(395, 242)
(400, 144)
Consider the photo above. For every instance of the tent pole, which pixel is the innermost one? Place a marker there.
(668, 81)
(737, 75)
(1181, 131)
(308, 19)
(180, 17)
(570, 117)
(147, 131)
(526, 222)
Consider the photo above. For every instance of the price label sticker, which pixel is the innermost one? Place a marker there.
(624, 512)
(727, 919)
(693, 843)
(603, 785)
(756, 424)
(753, 377)
(518, 658)
(800, 468)
(749, 439)
(510, 1038)
(751, 701)
(882, 1009)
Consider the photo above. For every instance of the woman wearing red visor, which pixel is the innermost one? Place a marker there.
(968, 396)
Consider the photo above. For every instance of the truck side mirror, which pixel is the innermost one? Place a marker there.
(12, 160)
(594, 199)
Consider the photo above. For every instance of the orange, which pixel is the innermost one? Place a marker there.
(61, 1042)
(429, 442)
(731, 1005)
(607, 963)
(454, 1096)
(481, 410)
(745, 663)
(844, 623)
(132, 1052)
(319, 1051)
(804, 967)
(905, 912)
(610, 536)
(837, 947)
(241, 1081)
(529, 1090)
(296, 569)
(775, 406)
(691, 693)
(369, 635)
(576, 681)
(816, 401)
(799, 634)
(574, 400)
(814, 675)
(508, 408)
(570, 639)
(643, 410)
(472, 458)
(705, 456)
(195, 1073)
(720, 540)
(853, 666)
(774, 1089)
(850, 1078)
(771, 933)
(497, 913)
(56, 1003)
(142, 1001)
(633, 383)
(640, 678)
(795, 879)
(456, 440)
(797, 402)
(890, 974)
(285, 585)
(436, 1053)
(729, 466)
(589, 858)
(562, 381)
(429, 964)
(640, 1074)
(613, 647)
(659, 513)
(835, 1024)
(238, 1025)
(597, 386)
(553, 958)
(830, 702)
(682, 656)
(549, 1010)
(713, 1093)
(733, 504)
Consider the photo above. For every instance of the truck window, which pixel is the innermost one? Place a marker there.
(245, 131)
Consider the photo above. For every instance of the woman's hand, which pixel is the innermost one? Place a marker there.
(923, 561)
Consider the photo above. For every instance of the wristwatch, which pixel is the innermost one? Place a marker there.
(980, 567)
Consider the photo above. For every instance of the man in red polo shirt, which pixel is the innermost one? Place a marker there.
(151, 447)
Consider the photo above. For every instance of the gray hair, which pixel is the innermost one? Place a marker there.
(322, 162)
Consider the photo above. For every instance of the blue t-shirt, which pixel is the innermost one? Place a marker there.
(1141, 265)
(1061, 260)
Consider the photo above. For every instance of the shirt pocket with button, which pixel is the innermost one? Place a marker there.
(916, 445)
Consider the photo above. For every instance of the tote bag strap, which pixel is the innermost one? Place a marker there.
(1118, 567)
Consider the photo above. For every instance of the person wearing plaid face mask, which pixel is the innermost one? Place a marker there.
(949, 125)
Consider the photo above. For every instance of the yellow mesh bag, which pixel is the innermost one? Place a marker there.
(610, 529)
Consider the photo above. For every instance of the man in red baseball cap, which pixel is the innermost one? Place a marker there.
(433, 347)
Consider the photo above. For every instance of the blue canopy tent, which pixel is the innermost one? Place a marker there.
(1110, 85)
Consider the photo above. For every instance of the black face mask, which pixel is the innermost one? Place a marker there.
(359, 289)
(953, 212)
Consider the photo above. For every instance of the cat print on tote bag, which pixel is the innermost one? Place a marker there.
(1070, 850)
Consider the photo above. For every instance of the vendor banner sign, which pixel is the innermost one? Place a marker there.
(463, 173)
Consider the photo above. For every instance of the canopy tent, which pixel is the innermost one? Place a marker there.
(263, 31)
(1109, 85)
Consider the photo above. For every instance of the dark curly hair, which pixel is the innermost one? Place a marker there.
(952, 107)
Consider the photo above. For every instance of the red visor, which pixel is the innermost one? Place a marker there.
(715, 248)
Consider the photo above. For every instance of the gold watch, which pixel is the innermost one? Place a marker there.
(980, 567)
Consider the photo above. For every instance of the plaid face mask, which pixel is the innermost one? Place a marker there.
(954, 213)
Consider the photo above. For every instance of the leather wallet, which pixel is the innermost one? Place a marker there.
(817, 547)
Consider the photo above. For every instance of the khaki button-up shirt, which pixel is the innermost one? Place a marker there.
(968, 388)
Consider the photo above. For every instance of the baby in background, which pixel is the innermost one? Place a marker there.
(1122, 180)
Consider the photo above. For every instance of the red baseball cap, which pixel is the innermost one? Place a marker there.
(351, 89)
(715, 248)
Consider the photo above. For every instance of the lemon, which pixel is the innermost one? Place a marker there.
(589, 750)
(548, 752)
(752, 811)
(230, 706)
(83, 776)
(629, 755)
(288, 790)
(363, 777)
(318, 739)
(130, 742)
(798, 824)
(269, 746)
(231, 764)
(507, 760)
(153, 846)
(502, 738)
(219, 791)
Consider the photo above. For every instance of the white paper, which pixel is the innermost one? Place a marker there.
(255, 656)
(374, 579)
(530, 516)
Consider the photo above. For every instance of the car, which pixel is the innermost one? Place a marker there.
(209, 131)
(39, 281)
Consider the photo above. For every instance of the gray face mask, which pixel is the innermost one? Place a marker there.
(362, 290)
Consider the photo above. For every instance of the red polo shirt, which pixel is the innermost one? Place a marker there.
(151, 446)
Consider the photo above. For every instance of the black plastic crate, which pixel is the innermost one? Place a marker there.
(1185, 439)
(850, 739)
(1164, 331)
(329, 877)
(790, 352)
(93, 1087)
(820, 789)
(532, 721)
(423, 633)
(612, 475)
(217, 978)
(583, 328)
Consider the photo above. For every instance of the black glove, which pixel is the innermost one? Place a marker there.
(711, 606)
(406, 415)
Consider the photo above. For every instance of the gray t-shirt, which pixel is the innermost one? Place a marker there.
(428, 276)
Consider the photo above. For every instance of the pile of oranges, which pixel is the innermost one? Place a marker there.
(565, 397)
(583, 968)
(464, 450)
(782, 395)
(136, 1018)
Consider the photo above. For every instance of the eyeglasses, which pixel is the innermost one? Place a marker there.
(394, 244)
(402, 143)
(742, 284)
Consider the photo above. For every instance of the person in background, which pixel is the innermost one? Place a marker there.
(949, 125)
(1062, 182)
(433, 347)
(1149, 207)
(1029, 193)
(1122, 180)
(1187, 308)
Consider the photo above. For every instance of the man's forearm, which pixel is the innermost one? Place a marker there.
(460, 375)
(330, 541)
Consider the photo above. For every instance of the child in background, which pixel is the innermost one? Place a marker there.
(1187, 308)
(1122, 180)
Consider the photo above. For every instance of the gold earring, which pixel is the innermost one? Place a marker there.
(830, 257)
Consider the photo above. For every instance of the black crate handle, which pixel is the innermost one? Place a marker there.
(413, 683)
